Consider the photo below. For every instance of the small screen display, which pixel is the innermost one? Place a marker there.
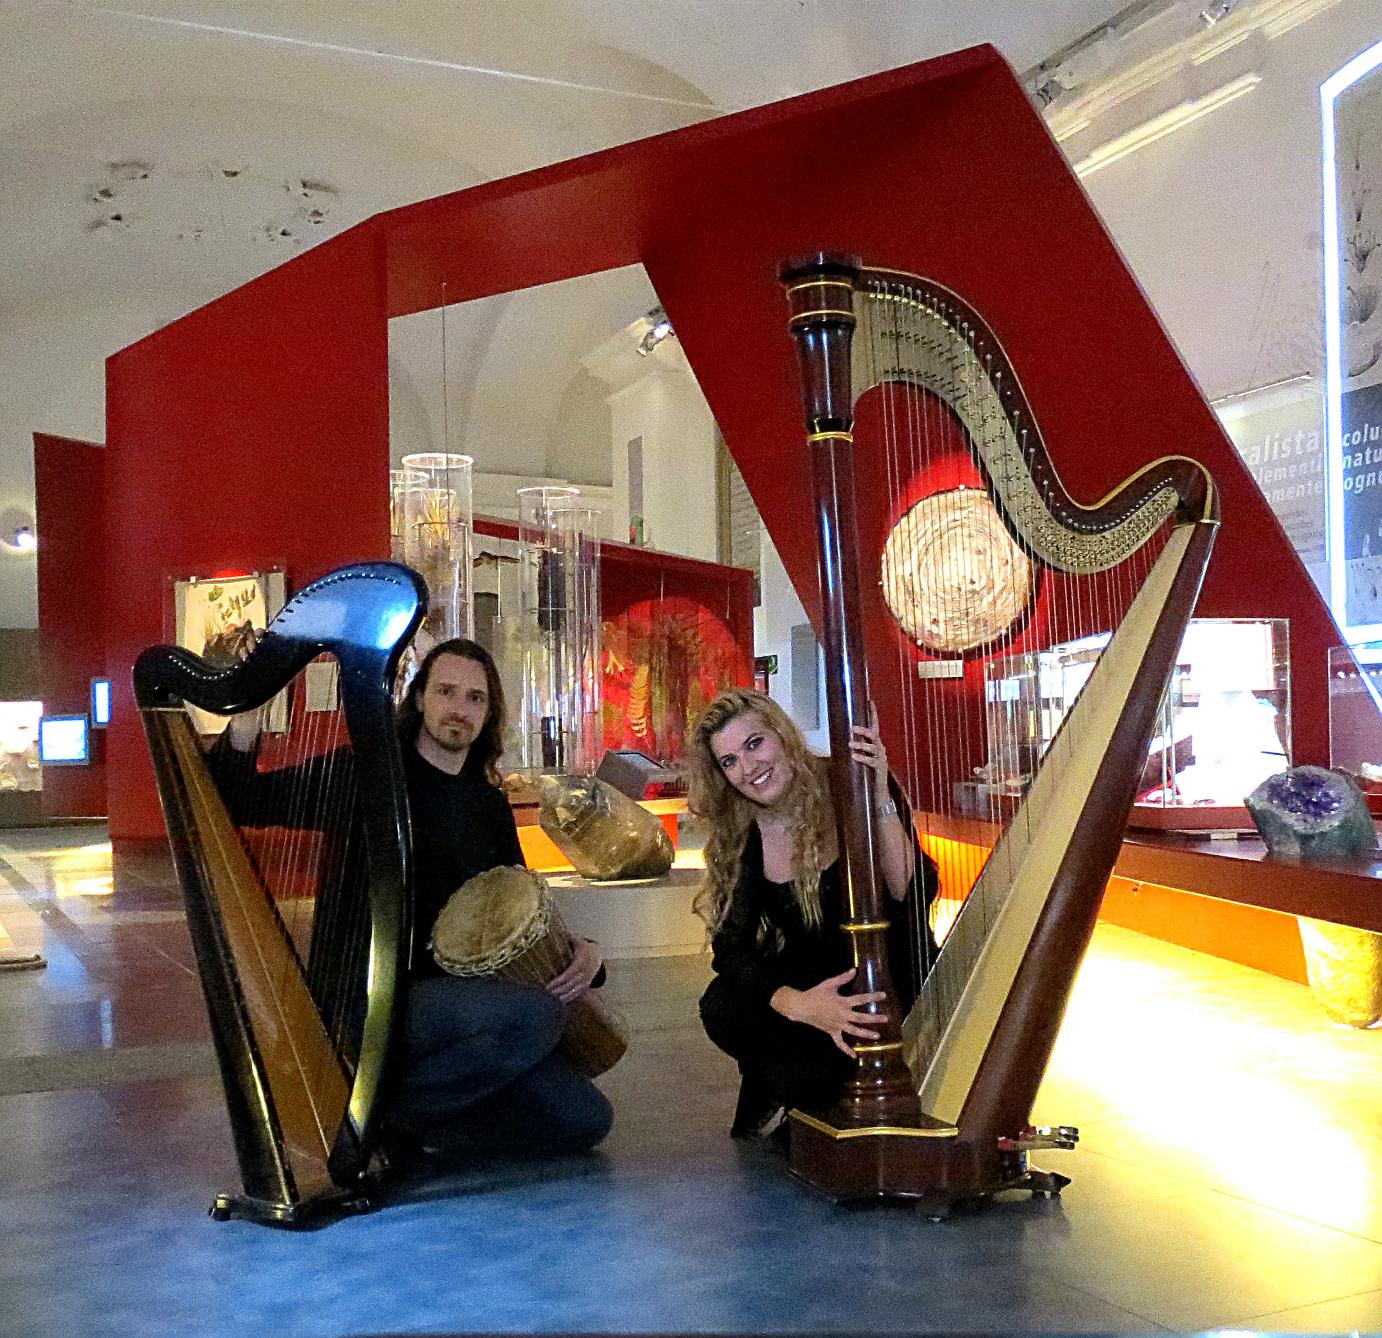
(63, 740)
(100, 702)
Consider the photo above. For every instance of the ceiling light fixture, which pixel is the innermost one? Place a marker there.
(24, 539)
(1179, 116)
(659, 328)
(1219, 9)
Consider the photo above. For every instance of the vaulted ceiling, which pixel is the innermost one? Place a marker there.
(157, 153)
(167, 143)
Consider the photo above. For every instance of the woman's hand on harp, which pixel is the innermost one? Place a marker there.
(866, 748)
(836, 1014)
(585, 965)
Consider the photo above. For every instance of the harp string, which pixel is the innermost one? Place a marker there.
(903, 448)
(300, 805)
(228, 850)
(950, 378)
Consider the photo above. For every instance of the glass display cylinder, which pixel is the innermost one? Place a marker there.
(402, 482)
(559, 611)
(438, 542)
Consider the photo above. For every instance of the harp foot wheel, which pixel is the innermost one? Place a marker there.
(221, 1210)
(1046, 1184)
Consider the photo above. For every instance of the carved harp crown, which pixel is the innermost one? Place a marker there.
(977, 1041)
(296, 881)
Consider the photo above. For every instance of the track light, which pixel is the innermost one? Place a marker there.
(18, 538)
(1182, 114)
(1218, 9)
(659, 328)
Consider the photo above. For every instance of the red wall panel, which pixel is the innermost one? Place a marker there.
(69, 502)
(943, 168)
(253, 433)
(694, 618)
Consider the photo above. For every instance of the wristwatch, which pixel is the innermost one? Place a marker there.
(886, 809)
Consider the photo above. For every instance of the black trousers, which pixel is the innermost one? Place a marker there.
(479, 1072)
(782, 1063)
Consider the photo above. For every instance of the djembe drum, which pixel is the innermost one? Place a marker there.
(504, 922)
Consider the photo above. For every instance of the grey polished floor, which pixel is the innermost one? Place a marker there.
(1230, 1173)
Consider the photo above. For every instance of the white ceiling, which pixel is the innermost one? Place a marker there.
(223, 108)
(157, 153)
(227, 134)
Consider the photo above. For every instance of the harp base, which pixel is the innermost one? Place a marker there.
(319, 1211)
(930, 1162)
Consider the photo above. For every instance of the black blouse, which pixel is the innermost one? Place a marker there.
(765, 943)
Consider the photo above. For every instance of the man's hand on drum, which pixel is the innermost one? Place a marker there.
(575, 980)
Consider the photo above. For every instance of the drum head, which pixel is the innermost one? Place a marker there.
(491, 920)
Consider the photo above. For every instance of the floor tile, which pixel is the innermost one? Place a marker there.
(1349, 1314)
(116, 1139)
(1192, 1262)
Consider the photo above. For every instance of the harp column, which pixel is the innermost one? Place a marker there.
(820, 296)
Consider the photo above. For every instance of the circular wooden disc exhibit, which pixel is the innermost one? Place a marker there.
(952, 575)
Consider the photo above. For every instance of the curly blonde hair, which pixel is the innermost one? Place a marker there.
(730, 814)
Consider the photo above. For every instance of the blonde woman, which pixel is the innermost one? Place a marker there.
(780, 1003)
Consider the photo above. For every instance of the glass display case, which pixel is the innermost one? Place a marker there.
(19, 764)
(1224, 725)
(1355, 717)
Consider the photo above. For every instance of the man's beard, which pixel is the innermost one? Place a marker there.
(454, 738)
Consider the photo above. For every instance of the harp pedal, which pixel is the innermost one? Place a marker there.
(1062, 1136)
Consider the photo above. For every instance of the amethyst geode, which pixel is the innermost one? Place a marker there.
(1309, 813)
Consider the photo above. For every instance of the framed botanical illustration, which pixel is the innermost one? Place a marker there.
(214, 614)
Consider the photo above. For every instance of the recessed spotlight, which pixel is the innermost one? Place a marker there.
(24, 539)
(659, 328)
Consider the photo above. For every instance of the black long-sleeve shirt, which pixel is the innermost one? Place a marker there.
(765, 943)
(461, 824)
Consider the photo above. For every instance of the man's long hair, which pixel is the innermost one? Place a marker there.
(730, 814)
(484, 754)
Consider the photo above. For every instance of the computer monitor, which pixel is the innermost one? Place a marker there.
(64, 741)
(100, 703)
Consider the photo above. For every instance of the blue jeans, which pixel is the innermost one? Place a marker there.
(478, 1072)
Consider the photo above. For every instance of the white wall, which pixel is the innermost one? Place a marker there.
(53, 355)
(773, 620)
(655, 398)
(514, 394)
(1220, 220)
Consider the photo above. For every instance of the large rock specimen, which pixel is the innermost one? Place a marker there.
(604, 834)
(1311, 814)
(1344, 967)
(1318, 816)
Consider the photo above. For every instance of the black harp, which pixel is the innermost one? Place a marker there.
(303, 1020)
